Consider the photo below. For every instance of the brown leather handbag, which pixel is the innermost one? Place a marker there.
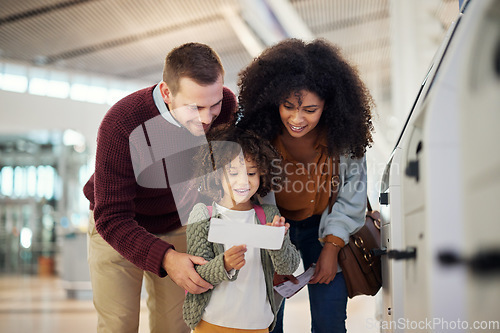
(359, 258)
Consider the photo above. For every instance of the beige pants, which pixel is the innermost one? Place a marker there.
(117, 284)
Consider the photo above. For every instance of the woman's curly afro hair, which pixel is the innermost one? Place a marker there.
(293, 65)
(225, 143)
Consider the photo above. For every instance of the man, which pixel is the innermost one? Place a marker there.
(135, 229)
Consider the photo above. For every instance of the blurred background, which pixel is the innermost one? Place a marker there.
(63, 63)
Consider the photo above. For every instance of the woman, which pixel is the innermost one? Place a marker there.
(311, 104)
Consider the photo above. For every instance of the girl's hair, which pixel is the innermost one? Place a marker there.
(293, 65)
(225, 143)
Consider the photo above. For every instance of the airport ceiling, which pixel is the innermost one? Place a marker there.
(129, 39)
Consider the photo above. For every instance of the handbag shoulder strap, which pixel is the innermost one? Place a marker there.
(334, 183)
(258, 210)
(335, 187)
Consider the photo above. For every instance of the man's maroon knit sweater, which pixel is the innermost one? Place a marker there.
(128, 215)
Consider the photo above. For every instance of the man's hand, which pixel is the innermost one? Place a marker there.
(180, 268)
(326, 267)
(234, 258)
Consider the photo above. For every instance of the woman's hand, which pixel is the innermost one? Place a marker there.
(326, 267)
(278, 279)
(234, 258)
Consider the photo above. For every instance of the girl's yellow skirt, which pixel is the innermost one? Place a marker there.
(204, 327)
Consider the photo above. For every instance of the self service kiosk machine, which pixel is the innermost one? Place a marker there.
(440, 195)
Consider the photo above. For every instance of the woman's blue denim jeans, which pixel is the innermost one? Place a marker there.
(327, 302)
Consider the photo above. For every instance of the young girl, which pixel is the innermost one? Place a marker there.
(233, 168)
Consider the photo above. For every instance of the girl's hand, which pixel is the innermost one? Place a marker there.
(234, 258)
(326, 267)
(280, 222)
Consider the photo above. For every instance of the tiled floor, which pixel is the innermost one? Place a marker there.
(40, 304)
